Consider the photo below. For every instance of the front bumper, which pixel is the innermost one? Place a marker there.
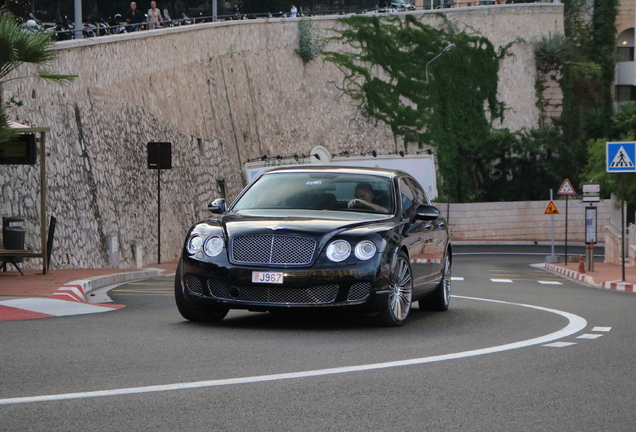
(363, 286)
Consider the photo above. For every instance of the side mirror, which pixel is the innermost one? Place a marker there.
(426, 212)
(217, 206)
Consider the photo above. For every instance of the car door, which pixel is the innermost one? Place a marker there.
(417, 236)
(436, 245)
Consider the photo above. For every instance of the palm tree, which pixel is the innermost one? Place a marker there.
(17, 47)
(625, 119)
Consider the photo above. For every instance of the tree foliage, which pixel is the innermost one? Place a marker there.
(19, 46)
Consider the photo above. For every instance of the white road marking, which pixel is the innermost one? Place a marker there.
(501, 280)
(602, 329)
(55, 307)
(576, 324)
(559, 344)
(589, 336)
(550, 283)
(457, 278)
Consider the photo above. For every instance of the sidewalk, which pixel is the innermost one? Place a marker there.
(66, 292)
(607, 276)
(35, 284)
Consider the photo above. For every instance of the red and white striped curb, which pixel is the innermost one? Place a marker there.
(618, 286)
(68, 300)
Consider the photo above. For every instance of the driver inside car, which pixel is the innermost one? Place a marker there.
(364, 197)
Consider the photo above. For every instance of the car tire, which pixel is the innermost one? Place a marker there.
(193, 313)
(439, 299)
(400, 298)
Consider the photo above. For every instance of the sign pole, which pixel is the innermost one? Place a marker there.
(566, 230)
(566, 189)
(551, 210)
(623, 227)
(620, 157)
(159, 157)
(552, 227)
(159, 213)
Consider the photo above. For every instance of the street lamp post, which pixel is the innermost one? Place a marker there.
(448, 48)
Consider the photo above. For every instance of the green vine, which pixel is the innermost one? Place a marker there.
(393, 73)
(311, 43)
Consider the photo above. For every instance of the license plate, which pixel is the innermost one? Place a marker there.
(267, 277)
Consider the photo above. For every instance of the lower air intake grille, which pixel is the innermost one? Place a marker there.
(193, 284)
(322, 294)
(359, 291)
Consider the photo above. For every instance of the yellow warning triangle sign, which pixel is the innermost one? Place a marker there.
(551, 209)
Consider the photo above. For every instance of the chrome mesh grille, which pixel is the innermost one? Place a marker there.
(193, 284)
(359, 291)
(272, 249)
(321, 294)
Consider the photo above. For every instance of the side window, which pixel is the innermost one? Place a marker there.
(408, 199)
(420, 196)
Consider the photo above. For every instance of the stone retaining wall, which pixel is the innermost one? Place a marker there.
(523, 221)
(221, 93)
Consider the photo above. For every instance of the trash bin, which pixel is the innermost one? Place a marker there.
(13, 235)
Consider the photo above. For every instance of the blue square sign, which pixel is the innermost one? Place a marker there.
(620, 157)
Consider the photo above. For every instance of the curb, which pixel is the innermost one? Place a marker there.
(78, 289)
(619, 286)
(582, 277)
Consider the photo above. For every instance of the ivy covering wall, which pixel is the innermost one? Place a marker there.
(402, 71)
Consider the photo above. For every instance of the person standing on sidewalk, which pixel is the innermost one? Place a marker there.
(154, 16)
(134, 18)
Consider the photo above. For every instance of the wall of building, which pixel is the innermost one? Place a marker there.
(626, 15)
(523, 221)
(221, 93)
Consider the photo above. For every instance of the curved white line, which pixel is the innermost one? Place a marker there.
(576, 324)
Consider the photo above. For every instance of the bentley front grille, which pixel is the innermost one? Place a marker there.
(322, 294)
(273, 249)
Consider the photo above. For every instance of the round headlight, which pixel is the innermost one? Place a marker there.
(213, 246)
(365, 250)
(338, 251)
(194, 244)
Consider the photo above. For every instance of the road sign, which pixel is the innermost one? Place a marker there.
(591, 192)
(551, 209)
(620, 157)
(566, 188)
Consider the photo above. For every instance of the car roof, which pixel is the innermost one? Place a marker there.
(384, 172)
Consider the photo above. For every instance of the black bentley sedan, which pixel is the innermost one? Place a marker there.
(366, 240)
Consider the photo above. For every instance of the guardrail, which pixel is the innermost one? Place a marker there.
(95, 29)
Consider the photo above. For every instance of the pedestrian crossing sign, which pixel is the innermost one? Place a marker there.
(620, 157)
(551, 209)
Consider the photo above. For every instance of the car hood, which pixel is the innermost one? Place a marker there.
(311, 223)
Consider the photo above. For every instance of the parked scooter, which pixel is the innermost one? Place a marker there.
(63, 28)
(116, 25)
(167, 21)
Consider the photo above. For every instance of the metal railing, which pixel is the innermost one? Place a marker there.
(94, 29)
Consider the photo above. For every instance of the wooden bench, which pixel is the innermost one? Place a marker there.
(13, 257)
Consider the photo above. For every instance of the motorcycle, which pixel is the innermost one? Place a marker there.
(115, 25)
(63, 28)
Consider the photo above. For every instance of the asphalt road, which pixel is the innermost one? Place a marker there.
(520, 349)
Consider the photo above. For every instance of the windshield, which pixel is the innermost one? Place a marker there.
(319, 191)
